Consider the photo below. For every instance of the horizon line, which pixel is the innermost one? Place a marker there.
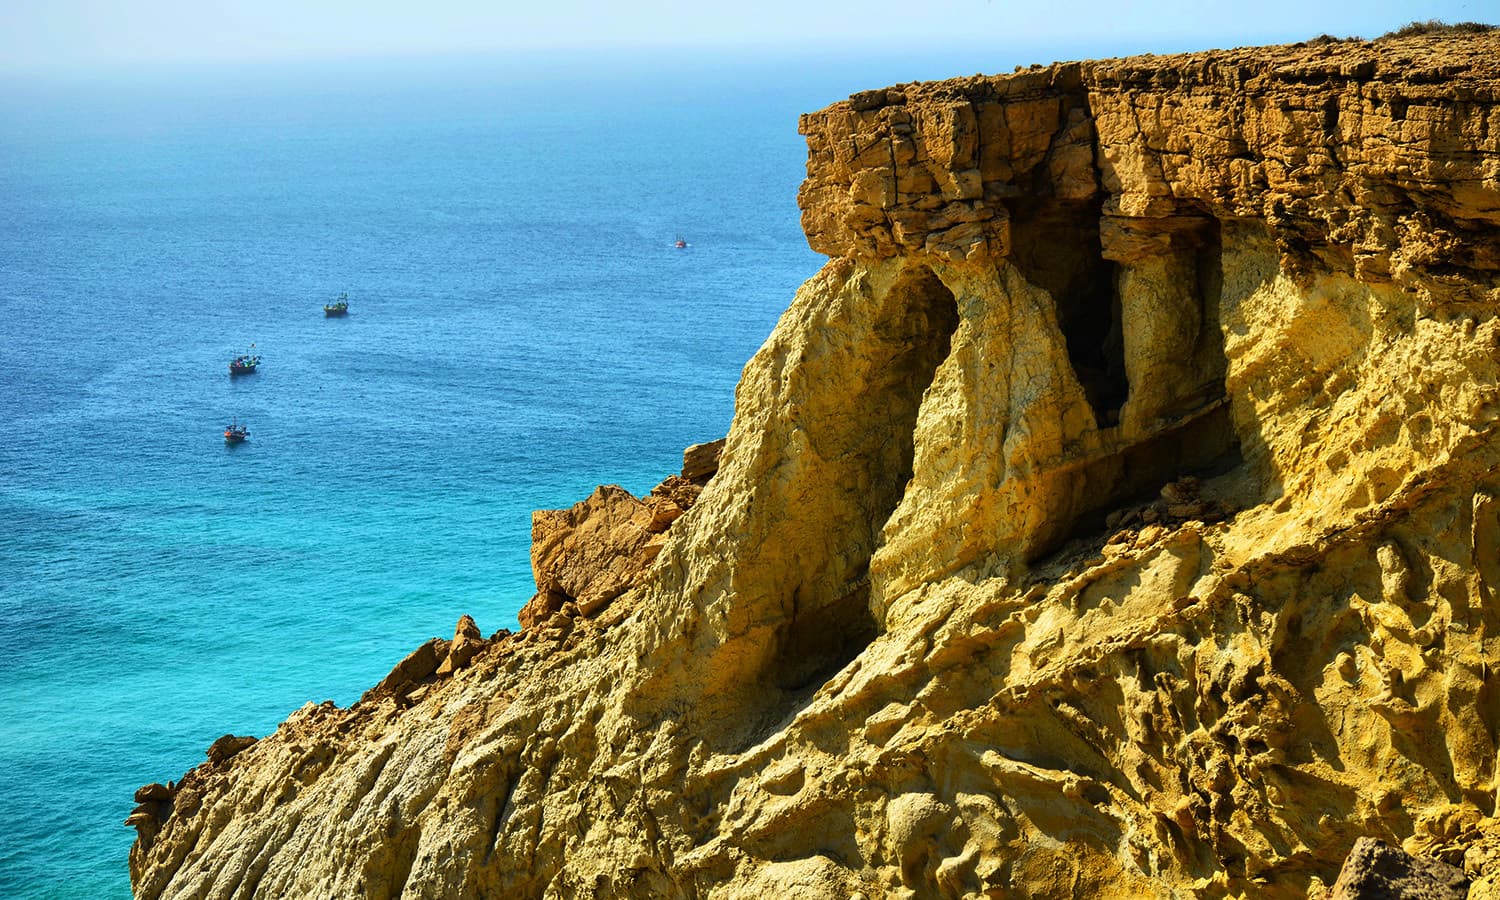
(1072, 47)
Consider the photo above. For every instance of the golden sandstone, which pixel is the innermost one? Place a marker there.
(1116, 514)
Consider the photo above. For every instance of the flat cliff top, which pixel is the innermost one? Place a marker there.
(1446, 65)
(1325, 141)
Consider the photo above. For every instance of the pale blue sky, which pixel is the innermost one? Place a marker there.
(41, 34)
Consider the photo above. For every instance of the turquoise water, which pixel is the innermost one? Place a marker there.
(521, 329)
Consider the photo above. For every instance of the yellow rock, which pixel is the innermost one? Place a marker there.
(949, 620)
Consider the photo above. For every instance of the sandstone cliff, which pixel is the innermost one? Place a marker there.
(1116, 514)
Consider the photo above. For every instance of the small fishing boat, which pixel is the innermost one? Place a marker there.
(680, 244)
(235, 433)
(339, 307)
(245, 363)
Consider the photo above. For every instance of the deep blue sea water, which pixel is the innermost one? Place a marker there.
(521, 329)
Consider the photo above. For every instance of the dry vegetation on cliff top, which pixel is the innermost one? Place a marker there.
(1116, 514)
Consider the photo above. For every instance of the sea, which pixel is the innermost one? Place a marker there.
(522, 327)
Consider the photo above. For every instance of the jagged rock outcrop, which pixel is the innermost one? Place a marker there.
(1116, 514)
(466, 644)
(701, 461)
(587, 555)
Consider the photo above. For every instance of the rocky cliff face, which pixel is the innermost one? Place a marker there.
(1116, 514)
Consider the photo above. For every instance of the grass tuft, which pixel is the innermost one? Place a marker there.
(1438, 26)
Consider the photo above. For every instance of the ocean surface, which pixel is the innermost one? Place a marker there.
(521, 329)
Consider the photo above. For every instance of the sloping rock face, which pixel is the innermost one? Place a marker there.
(1116, 514)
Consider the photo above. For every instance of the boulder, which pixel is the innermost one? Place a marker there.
(595, 550)
(1375, 870)
(669, 500)
(226, 747)
(589, 553)
(701, 461)
(152, 792)
(420, 664)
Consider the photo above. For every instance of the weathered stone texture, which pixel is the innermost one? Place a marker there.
(589, 554)
(586, 556)
(1370, 158)
(1378, 871)
(1116, 514)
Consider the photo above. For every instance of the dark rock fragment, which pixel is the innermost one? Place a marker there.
(1374, 870)
(228, 746)
(701, 461)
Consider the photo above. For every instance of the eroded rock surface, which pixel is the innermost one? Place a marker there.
(1117, 513)
(587, 555)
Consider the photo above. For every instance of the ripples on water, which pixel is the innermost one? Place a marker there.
(521, 329)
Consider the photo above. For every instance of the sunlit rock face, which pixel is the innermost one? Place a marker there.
(1116, 514)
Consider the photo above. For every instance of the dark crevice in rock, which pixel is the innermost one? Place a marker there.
(1207, 250)
(1056, 246)
(404, 856)
(825, 639)
(1177, 421)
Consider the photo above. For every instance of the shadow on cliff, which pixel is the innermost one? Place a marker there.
(830, 461)
(1140, 304)
(823, 634)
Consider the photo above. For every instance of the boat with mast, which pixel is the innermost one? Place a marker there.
(339, 307)
(245, 363)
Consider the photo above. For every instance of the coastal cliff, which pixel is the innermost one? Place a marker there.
(1117, 513)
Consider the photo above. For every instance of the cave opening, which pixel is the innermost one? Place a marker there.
(1056, 246)
(913, 337)
(1190, 429)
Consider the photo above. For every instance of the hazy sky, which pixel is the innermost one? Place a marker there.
(41, 34)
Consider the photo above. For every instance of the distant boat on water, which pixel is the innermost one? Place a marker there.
(245, 363)
(235, 433)
(680, 244)
(339, 307)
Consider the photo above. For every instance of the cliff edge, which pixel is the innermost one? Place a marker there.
(1117, 513)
